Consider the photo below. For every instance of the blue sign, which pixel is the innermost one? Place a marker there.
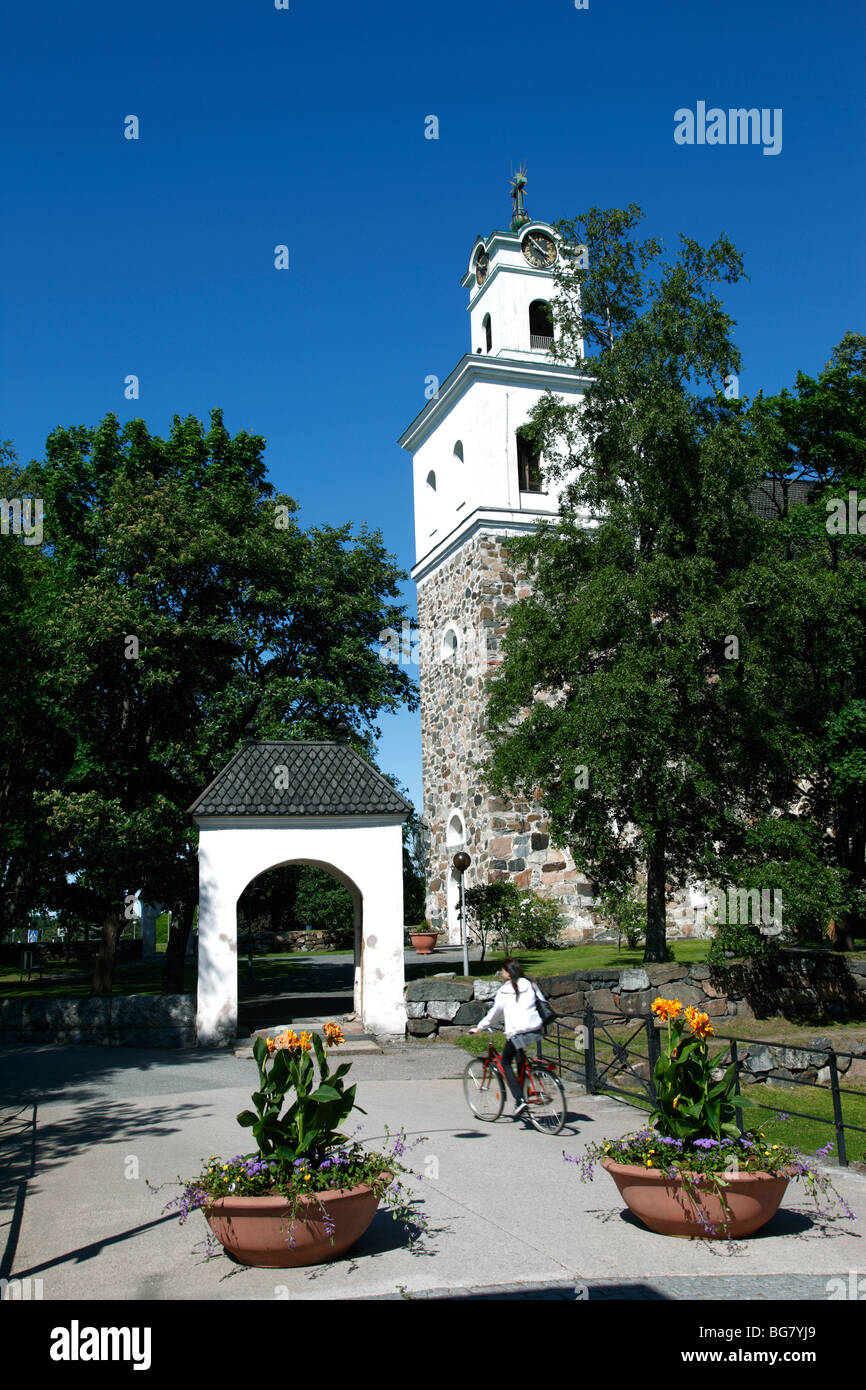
(32, 935)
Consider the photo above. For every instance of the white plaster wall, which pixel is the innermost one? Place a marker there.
(363, 853)
(485, 418)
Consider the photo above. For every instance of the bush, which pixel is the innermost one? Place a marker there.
(745, 941)
(538, 926)
(500, 914)
(627, 915)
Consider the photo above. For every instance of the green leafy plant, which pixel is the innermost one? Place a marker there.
(628, 917)
(537, 923)
(491, 912)
(301, 1150)
(690, 1105)
(309, 1125)
(694, 1135)
(744, 940)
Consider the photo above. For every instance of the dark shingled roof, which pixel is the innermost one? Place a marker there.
(299, 779)
(768, 499)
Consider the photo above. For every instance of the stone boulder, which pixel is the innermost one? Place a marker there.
(633, 980)
(439, 989)
(443, 1009)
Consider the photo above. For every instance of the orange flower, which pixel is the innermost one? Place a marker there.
(305, 1042)
(333, 1034)
(270, 1045)
(667, 1009)
(699, 1023)
(289, 1039)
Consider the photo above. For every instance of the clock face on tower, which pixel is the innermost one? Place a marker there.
(482, 265)
(539, 250)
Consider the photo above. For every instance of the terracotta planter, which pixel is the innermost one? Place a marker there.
(424, 941)
(662, 1205)
(257, 1230)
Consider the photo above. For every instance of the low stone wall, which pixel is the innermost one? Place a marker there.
(822, 987)
(137, 1020)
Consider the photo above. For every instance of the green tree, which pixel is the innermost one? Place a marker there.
(619, 663)
(813, 447)
(182, 600)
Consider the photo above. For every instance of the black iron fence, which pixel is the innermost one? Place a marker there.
(609, 1050)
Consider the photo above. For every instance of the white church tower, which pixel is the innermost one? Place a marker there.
(478, 482)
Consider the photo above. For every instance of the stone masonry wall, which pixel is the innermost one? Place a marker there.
(472, 591)
(827, 988)
(138, 1020)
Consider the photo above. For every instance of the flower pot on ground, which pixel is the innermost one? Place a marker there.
(692, 1173)
(307, 1193)
(262, 1231)
(424, 942)
(669, 1207)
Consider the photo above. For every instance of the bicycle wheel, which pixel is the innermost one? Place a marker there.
(543, 1093)
(484, 1089)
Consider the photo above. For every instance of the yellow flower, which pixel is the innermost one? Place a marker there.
(306, 1042)
(667, 1009)
(333, 1034)
(270, 1045)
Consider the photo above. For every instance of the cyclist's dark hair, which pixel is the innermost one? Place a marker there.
(514, 970)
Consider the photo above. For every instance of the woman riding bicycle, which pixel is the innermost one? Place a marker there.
(523, 1024)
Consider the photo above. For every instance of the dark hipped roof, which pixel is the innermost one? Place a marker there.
(768, 499)
(299, 779)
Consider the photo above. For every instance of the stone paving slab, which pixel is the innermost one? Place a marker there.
(503, 1207)
(727, 1289)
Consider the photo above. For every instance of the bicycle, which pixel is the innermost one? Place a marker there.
(485, 1089)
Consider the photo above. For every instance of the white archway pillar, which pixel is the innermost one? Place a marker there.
(364, 852)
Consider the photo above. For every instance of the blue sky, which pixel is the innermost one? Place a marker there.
(305, 127)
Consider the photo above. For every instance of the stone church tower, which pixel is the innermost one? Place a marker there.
(477, 483)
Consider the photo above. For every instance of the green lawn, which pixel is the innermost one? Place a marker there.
(75, 983)
(594, 956)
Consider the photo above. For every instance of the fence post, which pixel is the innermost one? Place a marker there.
(653, 1048)
(735, 1059)
(837, 1108)
(589, 1027)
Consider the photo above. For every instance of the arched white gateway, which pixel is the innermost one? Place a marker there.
(312, 803)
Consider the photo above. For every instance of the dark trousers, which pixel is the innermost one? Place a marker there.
(509, 1053)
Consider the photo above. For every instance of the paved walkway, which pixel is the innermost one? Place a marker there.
(508, 1218)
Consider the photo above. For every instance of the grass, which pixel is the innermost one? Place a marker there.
(561, 961)
(127, 979)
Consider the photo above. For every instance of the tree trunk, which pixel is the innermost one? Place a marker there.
(175, 951)
(103, 965)
(656, 939)
(843, 936)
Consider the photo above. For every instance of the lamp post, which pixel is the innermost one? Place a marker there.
(461, 862)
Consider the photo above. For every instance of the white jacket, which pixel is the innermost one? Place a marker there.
(521, 1015)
